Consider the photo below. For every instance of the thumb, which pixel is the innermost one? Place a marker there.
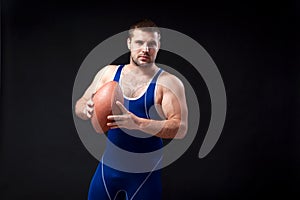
(122, 107)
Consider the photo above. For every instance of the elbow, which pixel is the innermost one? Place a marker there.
(181, 131)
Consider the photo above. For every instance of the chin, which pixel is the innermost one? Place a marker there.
(141, 63)
(145, 64)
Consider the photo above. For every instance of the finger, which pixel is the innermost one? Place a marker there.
(122, 107)
(90, 109)
(88, 112)
(112, 124)
(89, 115)
(116, 117)
(90, 103)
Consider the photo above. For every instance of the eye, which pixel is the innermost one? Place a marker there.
(138, 42)
(152, 45)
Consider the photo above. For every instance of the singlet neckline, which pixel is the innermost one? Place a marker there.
(145, 91)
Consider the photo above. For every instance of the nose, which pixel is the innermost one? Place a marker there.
(145, 48)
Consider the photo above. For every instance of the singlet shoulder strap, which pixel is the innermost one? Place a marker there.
(118, 73)
(151, 88)
(150, 95)
(154, 79)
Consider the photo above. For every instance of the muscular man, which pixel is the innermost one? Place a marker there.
(145, 86)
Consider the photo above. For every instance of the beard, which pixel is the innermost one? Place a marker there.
(139, 64)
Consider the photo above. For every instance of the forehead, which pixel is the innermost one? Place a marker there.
(139, 34)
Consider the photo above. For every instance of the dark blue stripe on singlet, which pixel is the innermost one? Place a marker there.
(118, 73)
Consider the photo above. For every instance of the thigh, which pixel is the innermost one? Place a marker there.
(150, 189)
(97, 188)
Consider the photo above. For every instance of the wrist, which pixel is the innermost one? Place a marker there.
(143, 123)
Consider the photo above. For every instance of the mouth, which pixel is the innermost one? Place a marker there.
(144, 57)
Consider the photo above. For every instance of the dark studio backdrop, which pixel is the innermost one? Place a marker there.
(254, 45)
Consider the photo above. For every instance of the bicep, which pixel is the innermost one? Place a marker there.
(174, 102)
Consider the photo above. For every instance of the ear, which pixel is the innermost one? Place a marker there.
(128, 43)
(158, 45)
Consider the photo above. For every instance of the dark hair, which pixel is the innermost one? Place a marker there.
(145, 25)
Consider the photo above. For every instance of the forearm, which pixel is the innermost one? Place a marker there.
(167, 129)
(173, 127)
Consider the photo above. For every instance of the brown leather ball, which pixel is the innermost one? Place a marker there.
(105, 104)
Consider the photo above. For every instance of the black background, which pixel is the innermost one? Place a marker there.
(255, 46)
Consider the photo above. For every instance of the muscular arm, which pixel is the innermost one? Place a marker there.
(173, 107)
(175, 124)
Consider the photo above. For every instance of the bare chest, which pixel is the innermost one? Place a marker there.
(134, 86)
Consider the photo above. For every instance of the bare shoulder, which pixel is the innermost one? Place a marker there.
(170, 81)
(108, 72)
(105, 75)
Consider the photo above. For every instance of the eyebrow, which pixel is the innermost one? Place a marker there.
(152, 42)
(142, 41)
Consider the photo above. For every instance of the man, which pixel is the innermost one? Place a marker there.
(145, 87)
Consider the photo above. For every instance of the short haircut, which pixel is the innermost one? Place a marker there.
(145, 25)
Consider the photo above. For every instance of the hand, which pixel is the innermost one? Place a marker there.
(89, 108)
(126, 120)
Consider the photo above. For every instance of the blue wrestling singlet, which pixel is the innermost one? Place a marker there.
(110, 183)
